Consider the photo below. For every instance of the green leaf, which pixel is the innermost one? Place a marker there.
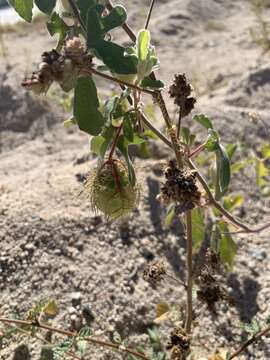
(24, 8)
(231, 149)
(204, 121)
(100, 143)
(128, 127)
(70, 122)
(266, 151)
(227, 246)
(236, 167)
(198, 229)
(94, 27)
(143, 43)
(116, 17)
(147, 82)
(61, 348)
(146, 55)
(212, 142)
(187, 136)
(169, 215)
(122, 145)
(86, 106)
(46, 6)
(224, 168)
(115, 57)
(261, 173)
(149, 134)
(50, 308)
(57, 26)
(232, 202)
(84, 6)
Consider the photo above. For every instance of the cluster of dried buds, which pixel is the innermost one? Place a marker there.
(61, 67)
(210, 290)
(180, 188)
(181, 90)
(179, 344)
(154, 272)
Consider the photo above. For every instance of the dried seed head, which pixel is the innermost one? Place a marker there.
(212, 259)
(180, 188)
(110, 191)
(74, 49)
(50, 57)
(180, 87)
(179, 344)
(181, 90)
(154, 271)
(176, 353)
(210, 290)
(50, 69)
(39, 82)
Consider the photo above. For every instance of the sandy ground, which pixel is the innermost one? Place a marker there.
(53, 246)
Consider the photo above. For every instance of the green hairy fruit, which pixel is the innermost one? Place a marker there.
(110, 190)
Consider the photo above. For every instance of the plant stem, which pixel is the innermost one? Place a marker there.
(253, 339)
(69, 353)
(90, 71)
(176, 280)
(245, 228)
(158, 98)
(115, 141)
(179, 124)
(149, 14)
(92, 340)
(189, 272)
(217, 181)
(125, 26)
(77, 14)
(158, 133)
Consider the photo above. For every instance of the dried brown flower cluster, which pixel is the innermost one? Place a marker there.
(154, 271)
(210, 290)
(181, 90)
(62, 68)
(179, 344)
(180, 188)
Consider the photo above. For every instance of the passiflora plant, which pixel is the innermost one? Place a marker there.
(86, 50)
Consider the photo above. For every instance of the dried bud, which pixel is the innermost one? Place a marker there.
(154, 271)
(181, 90)
(180, 188)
